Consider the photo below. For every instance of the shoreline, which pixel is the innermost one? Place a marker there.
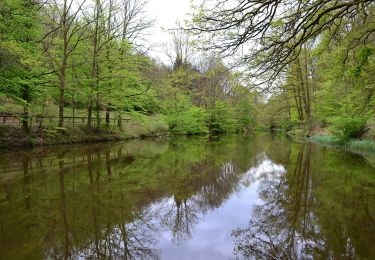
(351, 145)
(14, 137)
(325, 138)
(38, 138)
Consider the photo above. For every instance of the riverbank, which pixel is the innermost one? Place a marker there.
(138, 126)
(15, 137)
(365, 143)
(352, 145)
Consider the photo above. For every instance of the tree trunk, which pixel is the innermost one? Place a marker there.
(119, 122)
(307, 91)
(94, 68)
(61, 98)
(65, 29)
(98, 119)
(107, 117)
(89, 114)
(25, 116)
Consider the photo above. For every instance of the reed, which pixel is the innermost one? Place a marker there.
(349, 145)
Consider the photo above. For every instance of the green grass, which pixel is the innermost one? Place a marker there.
(360, 145)
(349, 145)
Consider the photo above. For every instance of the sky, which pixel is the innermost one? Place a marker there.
(166, 13)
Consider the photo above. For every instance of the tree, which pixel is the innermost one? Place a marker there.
(63, 33)
(272, 32)
(135, 23)
(19, 53)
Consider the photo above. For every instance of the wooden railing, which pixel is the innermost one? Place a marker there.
(40, 120)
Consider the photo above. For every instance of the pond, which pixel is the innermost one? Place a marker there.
(235, 197)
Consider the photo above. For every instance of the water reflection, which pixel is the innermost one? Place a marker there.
(163, 199)
(322, 207)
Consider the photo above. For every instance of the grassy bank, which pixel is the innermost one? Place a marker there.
(139, 125)
(353, 145)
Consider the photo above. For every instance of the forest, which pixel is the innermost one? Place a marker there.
(77, 70)
(245, 129)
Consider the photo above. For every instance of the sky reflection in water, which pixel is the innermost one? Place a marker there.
(187, 198)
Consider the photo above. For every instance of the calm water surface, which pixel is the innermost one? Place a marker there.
(187, 198)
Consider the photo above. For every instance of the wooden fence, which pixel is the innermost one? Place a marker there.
(41, 120)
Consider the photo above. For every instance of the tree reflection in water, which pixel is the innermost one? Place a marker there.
(295, 216)
(118, 201)
(107, 202)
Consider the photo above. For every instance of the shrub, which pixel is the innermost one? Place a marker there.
(221, 118)
(346, 128)
(243, 115)
(190, 121)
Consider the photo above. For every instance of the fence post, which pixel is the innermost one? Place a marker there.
(107, 118)
(119, 123)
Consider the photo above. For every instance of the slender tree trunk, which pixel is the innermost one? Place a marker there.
(61, 98)
(307, 91)
(110, 66)
(303, 89)
(94, 68)
(107, 117)
(298, 99)
(287, 104)
(98, 119)
(73, 108)
(25, 119)
(89, 114)
(25, 115)
(63, 64)
(119, 122)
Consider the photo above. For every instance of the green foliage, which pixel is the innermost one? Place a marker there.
(329, 86)
(145, 125)
(346, 128)
(190, 121)
(244, 115)
(363, 58)
(103, 73)
(19, 52)
(221, 118)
